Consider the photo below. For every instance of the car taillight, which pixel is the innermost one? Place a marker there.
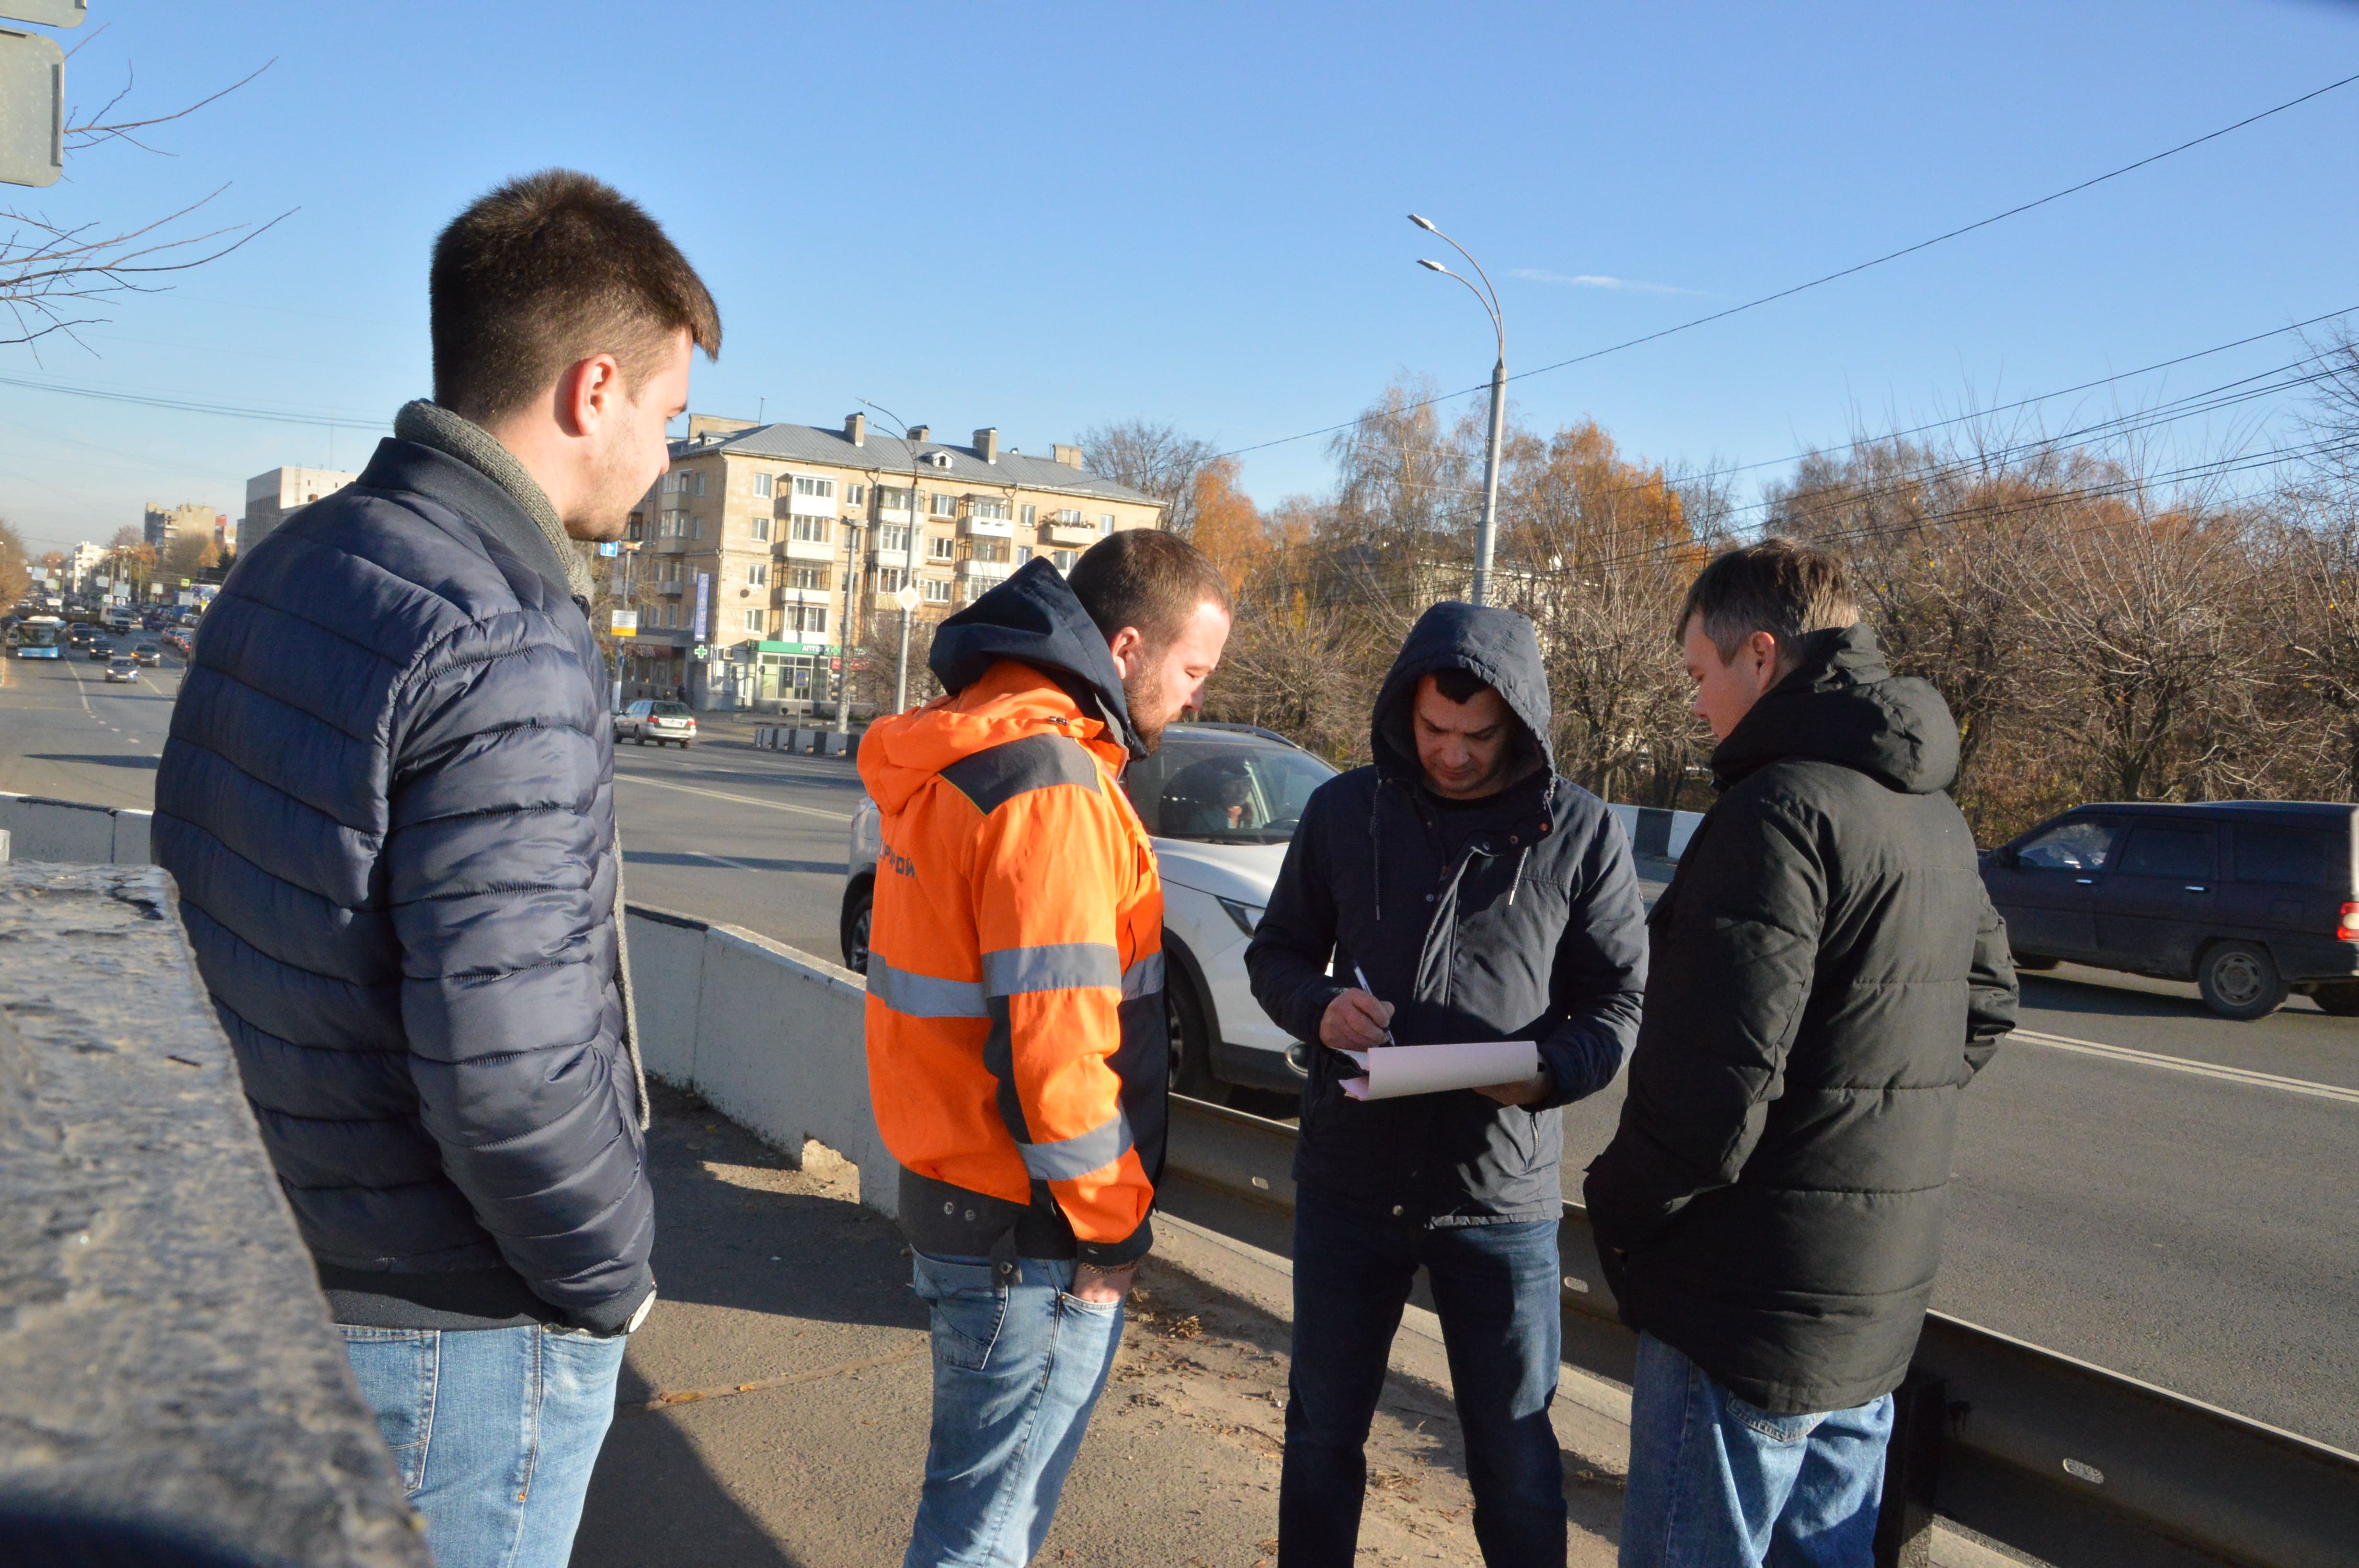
(2347, 929)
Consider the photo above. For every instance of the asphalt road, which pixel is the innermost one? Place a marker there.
(2138, 1184)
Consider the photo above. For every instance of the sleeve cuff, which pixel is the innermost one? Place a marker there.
(1122, 1253)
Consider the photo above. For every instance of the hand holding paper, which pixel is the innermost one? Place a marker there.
(1394, 1071)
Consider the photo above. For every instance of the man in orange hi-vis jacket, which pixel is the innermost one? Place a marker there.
(1016, 1041)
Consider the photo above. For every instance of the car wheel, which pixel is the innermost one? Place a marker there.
(2341, 999)
(1191, 1039)
(2241, 981)
(852, 929)
(642, 740)
(2035, 962)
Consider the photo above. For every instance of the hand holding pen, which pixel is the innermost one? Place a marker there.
(1356, 1019)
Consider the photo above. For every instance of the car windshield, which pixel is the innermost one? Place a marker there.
(669, 710)
(145, 647)
(1223, 786)
(120, 663)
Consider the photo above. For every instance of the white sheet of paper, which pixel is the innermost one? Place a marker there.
(1397, 1070)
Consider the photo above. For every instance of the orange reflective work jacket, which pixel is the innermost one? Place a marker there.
(1017, 1048)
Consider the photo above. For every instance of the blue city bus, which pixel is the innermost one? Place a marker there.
(38, 637)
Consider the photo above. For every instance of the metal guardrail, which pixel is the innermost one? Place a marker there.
(2039, 1451)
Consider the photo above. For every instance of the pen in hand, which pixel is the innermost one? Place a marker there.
(1361, 974)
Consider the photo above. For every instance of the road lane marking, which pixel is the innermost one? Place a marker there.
(621, 777)
(2183, 1065)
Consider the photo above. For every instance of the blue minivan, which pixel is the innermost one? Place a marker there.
(2249, 899)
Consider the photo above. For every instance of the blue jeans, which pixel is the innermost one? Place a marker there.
(1019, 1363)
(494, 1431)
(1495, 1289)
(1718, 1483)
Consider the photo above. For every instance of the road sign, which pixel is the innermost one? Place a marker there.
(907, 598)
(626, 622)
(47, 13)
(610, 548)
(32, 108)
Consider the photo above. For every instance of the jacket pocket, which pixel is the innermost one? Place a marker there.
(968, 1306)
(397, 1371)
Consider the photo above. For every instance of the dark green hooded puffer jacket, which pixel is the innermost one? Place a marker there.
(1826, 975)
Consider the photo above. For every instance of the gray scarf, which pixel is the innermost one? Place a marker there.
(431, 425)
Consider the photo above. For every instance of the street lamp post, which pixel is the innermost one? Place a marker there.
(908, 560)
(1486, 539)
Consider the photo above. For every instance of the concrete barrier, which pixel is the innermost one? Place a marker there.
(42, 829)
(171, 1390)
(1656, 833)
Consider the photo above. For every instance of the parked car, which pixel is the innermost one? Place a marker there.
(2251, 900)
(1220, 802)
(121, 667)
(653, 719)
(148, 654)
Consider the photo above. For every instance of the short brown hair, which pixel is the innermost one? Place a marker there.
(1146, 579)
(545, 272)
(1777, 585)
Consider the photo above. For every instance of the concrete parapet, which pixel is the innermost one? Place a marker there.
(169, 1364)
(70, 832)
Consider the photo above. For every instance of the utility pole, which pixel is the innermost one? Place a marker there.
(908, 562)
(844, 632)
(1486, 537)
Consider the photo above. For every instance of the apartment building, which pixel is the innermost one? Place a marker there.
(269, 497)
(774, 547)
(161, 525)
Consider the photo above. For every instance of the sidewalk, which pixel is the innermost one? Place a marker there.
(773, 1412)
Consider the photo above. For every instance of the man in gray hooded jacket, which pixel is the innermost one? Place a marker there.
(1483, 898)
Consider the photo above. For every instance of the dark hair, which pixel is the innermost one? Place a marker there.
(1145, 579)
(1777, 585)
(542, 274)
(1458, 685)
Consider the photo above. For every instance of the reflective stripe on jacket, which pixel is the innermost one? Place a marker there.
(1017, 1041)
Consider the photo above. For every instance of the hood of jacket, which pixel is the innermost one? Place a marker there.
(1842, 704)
(1023, 659)
(1498, 647)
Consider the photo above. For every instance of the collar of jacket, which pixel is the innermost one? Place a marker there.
(541, 540)
(1010, 701)
(1842, 704)
(1033, 619)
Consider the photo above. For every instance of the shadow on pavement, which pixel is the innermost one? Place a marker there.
(104, 760)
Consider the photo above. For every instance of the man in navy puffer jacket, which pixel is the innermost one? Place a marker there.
(388, 802)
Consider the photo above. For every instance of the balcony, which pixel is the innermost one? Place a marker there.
(986, 571)
(1069, 535)
(987, 527)
(812, 550)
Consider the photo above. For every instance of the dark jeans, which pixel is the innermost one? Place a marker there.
(1496, 1286)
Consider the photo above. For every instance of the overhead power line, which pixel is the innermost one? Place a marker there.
(196, 405)
(1790, 292)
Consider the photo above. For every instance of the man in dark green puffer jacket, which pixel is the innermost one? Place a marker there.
(1826, 975)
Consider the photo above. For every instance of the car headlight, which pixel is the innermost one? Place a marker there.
(1246, 915)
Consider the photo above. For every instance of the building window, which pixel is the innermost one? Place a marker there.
(758, 575)
(696, 526)
(940, 547)
(810, 530)
(675, 483)
(762, 485)
(1063, 559)
(1068, 516)
(892, 538)
(940, 505)
(891, 499)
(1106, 521)
(754, 619)
(699, 476)
(1031, 515)
(824, 488)
(806, 578)
(672, 524)
(668, 571)
(856, 495)
(760, 528)
(987, 550)
(888, 579)
(990, 508)
(936, 590)
(811, 620)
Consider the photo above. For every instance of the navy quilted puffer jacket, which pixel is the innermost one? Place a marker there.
(389, 801)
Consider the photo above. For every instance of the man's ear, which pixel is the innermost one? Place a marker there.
(1126, 646)
(587, 391)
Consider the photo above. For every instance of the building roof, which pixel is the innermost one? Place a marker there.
(889, 456)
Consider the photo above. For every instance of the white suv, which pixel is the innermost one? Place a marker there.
(1221, 802)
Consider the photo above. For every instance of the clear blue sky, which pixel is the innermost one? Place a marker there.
(1045, 218)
